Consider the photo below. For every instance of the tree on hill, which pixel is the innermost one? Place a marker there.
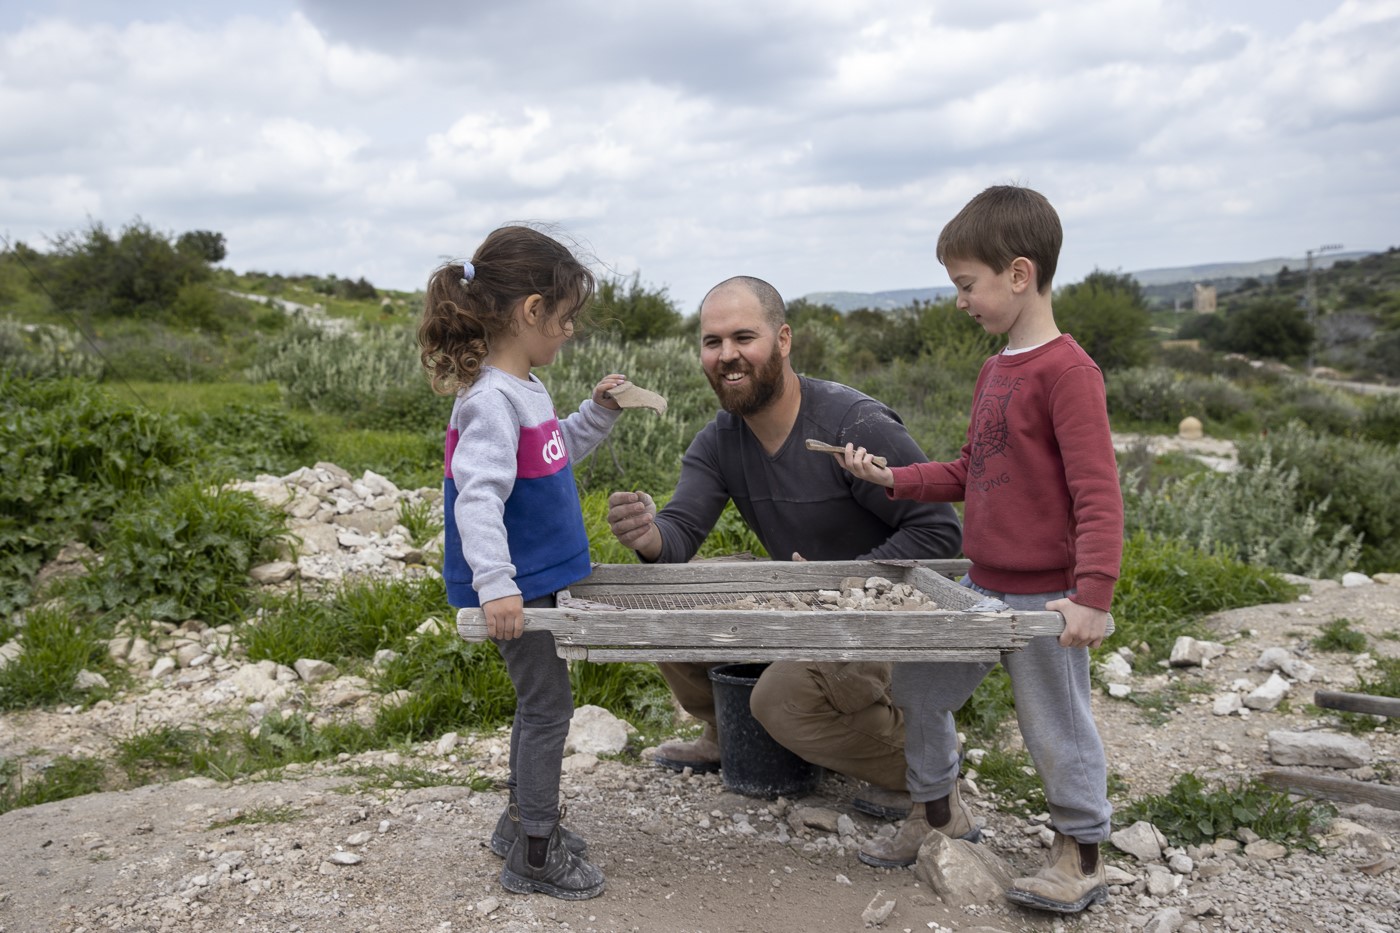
(206, 244)
(1107, 315)
(136, 273)
(1272, 328)
(632, 311)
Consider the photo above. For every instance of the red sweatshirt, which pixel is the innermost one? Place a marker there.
(1044, 510)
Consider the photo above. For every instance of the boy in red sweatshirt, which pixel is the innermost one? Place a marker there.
(1043, 527)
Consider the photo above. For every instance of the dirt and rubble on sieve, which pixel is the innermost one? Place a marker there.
(322, 848)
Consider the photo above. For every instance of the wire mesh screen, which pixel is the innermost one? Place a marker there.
(792, 599)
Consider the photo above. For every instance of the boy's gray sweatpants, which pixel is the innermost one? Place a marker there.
(1051, 689)
(544, 706)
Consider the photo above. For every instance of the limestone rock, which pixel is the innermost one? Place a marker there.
(1318, 749)
(960, 872)
(1191, 652)
(1115, 669)
(314, 671)
(594, 730)
(1269, 695)
(1142, 841)
(90, 680)
(278, 571)
(1284, 661)
(1226, 704)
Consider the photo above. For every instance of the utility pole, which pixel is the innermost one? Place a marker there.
(1310, 296)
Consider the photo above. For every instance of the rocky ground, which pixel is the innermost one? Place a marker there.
(328, 848)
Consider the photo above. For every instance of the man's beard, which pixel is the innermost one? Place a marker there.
(764, 385)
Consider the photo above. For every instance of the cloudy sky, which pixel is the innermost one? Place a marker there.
(820, 144)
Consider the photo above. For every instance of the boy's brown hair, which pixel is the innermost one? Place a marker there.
(1002, 223)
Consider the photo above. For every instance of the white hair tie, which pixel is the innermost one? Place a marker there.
(468, 272)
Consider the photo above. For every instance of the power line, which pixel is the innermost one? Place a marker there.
(69, 315)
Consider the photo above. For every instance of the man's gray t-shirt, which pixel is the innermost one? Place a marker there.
(800, 501)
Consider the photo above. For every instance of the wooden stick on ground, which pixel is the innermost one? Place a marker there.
(1333, 788)
(822, 447)
(1358, 703)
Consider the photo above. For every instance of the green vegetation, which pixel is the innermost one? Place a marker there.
(347, 625)
(1190, 813)
(1258, 514)
(381, 776)
(57, 645)
(258, 816)
(182, 553)
(1338, 635)
(1167, 587)
(1355, 325)
(62, 778)
(168, 753)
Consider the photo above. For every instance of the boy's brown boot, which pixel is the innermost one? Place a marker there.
(1072, 881)
(902, 849)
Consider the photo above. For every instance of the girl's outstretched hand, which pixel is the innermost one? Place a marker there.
(861, 463)
(600, 391)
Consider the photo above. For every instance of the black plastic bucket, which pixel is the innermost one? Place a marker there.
(752, 763)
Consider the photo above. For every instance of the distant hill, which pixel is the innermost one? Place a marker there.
(1259, 268)
(1178, 279)
(879, 301)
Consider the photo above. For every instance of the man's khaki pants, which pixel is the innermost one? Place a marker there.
(836, 714)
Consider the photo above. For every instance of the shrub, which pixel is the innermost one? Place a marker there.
(71, 455)
(183, 553)
(344, 374)
(932, 394)
(45, 351)
(148, 351)
(1151, 397)
(1217, 399)
(1380, 421)
(1321, 409)
(1108, 317)
(244, 439)
(644, 449)
(1358, 479)
(137, 273)
(1258, 514)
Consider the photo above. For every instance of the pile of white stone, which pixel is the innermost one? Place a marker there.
(341, 526)
(865, 594)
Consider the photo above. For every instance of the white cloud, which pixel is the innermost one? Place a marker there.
(821, 145)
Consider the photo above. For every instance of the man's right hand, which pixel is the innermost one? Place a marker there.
(632, 518)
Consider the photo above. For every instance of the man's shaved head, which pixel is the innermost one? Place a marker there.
(774, 311)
